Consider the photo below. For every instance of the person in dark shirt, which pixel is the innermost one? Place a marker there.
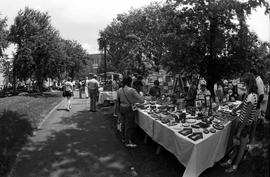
(191, 95)
(138, 85)
(155, 91)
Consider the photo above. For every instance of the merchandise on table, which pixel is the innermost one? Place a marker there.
(186, 131)
(196, 136)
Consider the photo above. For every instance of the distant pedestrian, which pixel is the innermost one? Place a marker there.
(68, 92)
(80, 86)
(93, 85)
(86, 88)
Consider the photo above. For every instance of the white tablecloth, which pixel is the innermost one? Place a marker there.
(196, 156)
(107, 95)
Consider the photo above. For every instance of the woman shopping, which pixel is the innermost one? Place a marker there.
(126, 97)
(244, 122)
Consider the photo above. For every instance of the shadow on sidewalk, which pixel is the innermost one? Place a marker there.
(80, 145)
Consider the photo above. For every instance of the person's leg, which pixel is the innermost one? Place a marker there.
(68, 102)
(80, 92)
(115, 109)
(242, 148)
(130, 123)
(94, 98)
(254, 126)
(86, 92)
(123, 127)
(91, 101)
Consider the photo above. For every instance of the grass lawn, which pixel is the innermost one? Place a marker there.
(33, 107)
(20, 115)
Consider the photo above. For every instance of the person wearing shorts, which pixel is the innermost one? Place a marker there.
(245, 120)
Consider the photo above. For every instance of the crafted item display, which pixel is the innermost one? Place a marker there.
(196, 136)
(218, 126)
(186, 131)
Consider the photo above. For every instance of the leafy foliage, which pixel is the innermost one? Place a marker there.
(3, 35)
(41, 52)
(192, 36)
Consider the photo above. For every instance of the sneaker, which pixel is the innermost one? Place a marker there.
(231, 169)
(131, 145)
(225, 164)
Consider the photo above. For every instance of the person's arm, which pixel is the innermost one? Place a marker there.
(260, 99)
(137, 97)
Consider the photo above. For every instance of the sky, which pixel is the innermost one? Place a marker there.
(81, 20)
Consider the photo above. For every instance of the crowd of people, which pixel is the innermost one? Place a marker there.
(131, 91)
(88, 87)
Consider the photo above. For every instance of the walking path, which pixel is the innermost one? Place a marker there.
(78, 143)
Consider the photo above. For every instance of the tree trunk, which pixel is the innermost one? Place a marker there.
(14, 80)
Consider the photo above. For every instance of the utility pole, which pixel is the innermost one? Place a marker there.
(105, 60)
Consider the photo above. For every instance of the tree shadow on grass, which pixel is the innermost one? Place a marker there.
(44, 94)
(80, 145)
(14, 130)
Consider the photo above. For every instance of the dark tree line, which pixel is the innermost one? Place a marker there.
(41, 52)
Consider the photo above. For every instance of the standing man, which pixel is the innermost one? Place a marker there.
(93, 85)
(86, 88)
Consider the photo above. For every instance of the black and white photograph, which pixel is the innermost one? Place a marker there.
(134, 88)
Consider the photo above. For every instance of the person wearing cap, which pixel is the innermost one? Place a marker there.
(93, 85)
(202, 92)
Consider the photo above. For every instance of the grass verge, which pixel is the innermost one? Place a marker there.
(19, 116)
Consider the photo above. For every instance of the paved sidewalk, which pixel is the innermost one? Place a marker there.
(78, 143)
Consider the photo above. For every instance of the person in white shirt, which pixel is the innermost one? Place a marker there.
(86, 88)
(68, 92)
(93, 86)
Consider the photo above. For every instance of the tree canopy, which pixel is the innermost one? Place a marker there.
(207, 37)
(41, 52)
(3, 35)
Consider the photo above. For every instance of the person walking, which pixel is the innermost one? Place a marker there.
(68, 92)
(92, 86)
(126, 97)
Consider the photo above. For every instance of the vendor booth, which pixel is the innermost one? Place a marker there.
(196, 137)
(108, 91)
